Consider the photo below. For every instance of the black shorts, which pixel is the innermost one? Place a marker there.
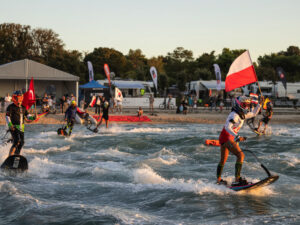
(105, 116)
(265, 120)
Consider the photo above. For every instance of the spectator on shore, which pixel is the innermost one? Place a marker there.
(151, 102)
(169, 101)
(221, 105)
(63, 104)
(119, 105)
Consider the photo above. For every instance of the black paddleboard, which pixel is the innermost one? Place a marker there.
(250, 186)
(15, 163)
(62, 132)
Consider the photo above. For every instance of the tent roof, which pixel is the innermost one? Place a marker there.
(129, 85)
(19, 69)
(92, 84)
(212, 84)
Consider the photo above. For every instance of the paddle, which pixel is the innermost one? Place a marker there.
(262, 165)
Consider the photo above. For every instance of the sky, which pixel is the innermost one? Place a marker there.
(159, 26)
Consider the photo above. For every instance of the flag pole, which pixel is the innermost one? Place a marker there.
(255, 75)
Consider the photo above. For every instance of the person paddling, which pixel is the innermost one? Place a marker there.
(105, 116)
(266, 117)
(229, 137)
(16, 114)
(70, 115)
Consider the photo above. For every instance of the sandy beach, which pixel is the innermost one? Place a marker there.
(281, 116)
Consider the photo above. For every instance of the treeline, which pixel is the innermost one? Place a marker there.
(176, 68)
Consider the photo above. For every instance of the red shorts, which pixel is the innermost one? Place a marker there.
(225, 136)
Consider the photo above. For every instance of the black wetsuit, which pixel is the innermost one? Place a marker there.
(105, 111)
(70, 116)
(15, 117)
(267, 116)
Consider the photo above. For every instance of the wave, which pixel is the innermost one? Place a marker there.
(48, 150)
(43, 167)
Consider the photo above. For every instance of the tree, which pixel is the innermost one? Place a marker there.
(115, 60)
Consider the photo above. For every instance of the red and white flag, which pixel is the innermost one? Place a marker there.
(118, 94)
(93, 101)
(241, 72)
(29, 96)
(107, 72)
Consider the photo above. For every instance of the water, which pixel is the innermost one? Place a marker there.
(148, 174)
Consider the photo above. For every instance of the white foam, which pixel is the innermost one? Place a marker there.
(46, 151)
(154, 130)
(42, 167)
(113, 152)
(291, 158)
(164, 156)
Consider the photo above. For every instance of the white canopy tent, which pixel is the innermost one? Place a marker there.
(16, 76)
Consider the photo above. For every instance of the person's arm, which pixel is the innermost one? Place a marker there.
(253, 113)
(8, 119)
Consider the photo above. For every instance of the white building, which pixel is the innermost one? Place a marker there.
(131, 88)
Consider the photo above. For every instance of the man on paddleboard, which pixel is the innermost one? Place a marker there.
(266, 117)
(16, 114)
(229, 137)
(70, 116)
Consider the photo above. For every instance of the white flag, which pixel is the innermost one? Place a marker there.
(91, 71)
(218, 76)
(153, 73)
(118, 94)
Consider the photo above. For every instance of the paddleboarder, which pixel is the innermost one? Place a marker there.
(70, 115)
(105, 116)
(229, 137)
(16, 114)
(267, 115)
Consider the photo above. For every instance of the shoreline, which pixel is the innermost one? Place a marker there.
(208, 117)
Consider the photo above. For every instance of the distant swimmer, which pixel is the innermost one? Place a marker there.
(16, 114)
(105, 116)
(229, 137)
(70, 115)
(267, 115)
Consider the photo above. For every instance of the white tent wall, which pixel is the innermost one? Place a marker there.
(40, 86)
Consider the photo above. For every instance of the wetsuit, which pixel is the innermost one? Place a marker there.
(15, 117)
(230, 131)
(234, 123)
(70, 115)
(105, 111)
(267, 116)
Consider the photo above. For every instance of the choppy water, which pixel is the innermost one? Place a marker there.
(148, 174)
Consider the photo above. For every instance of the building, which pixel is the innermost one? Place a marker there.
(269, 89)
(131, 88)
(17, 75)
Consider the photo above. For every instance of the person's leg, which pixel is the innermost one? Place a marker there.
(234, 148)
(15, 138)
(259, 125)
(106, 123)
(20, 143)
(224, 156)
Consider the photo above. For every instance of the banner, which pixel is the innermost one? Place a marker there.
(91, 71)
(281, 76)
(107, 72)
(153, 73)
(29, 96)
(118, 94)
(241, 72)
(218, 76)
